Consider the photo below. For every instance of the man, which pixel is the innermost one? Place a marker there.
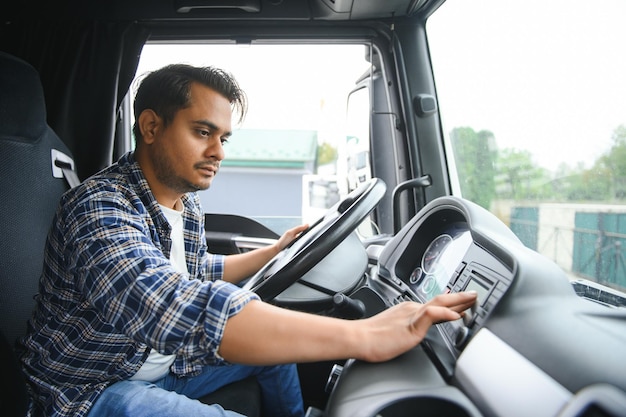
(134, 317)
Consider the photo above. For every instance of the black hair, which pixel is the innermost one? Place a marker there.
(168, 90)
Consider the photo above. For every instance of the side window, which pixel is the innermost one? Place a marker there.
(357, 145)
(532, 102)
(356, 149)
(283, 164)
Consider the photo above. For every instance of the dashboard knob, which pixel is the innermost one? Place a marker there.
(347, 307)
(470, 314)
(335, 373)
(461, 337)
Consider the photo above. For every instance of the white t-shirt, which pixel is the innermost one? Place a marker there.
(157, 365)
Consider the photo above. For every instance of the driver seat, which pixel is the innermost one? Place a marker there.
(36, 169)
(31, 184)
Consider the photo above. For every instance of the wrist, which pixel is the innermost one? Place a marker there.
(275, 248)
(356, 338)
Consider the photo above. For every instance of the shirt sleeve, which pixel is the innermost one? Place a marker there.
(121, 271)
(215, 266)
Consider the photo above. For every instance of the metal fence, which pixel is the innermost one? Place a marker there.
(596, 252)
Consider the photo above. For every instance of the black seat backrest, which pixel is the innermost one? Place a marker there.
(35, 170)
(30, 189)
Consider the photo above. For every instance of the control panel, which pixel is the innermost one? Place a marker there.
(453, 262)
(490, 287)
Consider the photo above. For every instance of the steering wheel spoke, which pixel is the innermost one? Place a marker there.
(317, 242)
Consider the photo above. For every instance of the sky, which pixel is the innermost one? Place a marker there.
(539, 74)
(547, 76)
(290, 86)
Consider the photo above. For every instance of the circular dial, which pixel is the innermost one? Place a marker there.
(430, 260)
(416, 275)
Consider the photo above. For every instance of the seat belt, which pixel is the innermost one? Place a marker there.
(63, 167)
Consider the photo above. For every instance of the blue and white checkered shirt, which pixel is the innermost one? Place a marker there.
(108, 293)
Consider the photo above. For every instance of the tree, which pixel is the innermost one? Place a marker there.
(486, 173)
(605, 180)
(613, 163)
(474, 155)
(519, 178)
(326, 154)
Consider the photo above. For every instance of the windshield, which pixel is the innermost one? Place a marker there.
(533, 101)
(281, 166)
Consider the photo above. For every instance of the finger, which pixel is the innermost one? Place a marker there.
(300, 229)
(440, 314)
(461, 299)
(295, 231)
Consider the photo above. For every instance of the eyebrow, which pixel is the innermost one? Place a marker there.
(213, 126)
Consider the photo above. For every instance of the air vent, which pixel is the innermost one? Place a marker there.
(250, 6)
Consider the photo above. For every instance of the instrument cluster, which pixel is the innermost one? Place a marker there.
(440, 262)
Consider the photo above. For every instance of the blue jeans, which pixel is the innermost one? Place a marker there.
(173, 396)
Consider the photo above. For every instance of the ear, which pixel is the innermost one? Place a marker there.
(149, 123)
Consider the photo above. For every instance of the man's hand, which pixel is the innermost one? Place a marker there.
(289, 236)
(243, 265)
(403, 326)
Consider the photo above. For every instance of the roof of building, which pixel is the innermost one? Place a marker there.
(271, 148)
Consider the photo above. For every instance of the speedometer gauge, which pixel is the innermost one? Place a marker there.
(430, 260)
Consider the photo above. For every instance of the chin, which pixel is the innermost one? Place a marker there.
(203, 186)
(192, 187)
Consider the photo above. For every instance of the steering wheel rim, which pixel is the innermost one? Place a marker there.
(317, 241)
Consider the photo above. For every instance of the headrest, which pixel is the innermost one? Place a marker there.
(22, 104)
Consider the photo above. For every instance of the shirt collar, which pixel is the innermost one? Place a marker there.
(130, 168)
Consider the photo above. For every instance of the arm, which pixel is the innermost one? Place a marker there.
(264, 334)
(114, 263)
(243, 265)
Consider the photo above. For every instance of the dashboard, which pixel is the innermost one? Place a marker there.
(529, 347)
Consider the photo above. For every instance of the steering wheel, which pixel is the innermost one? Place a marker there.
(317, 241)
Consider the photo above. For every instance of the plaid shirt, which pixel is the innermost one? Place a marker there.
(108, 293)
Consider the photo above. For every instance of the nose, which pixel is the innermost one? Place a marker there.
(216, 150)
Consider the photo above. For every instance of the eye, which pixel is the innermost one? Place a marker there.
(224, 141)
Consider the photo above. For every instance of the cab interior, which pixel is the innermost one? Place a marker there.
(536, 344)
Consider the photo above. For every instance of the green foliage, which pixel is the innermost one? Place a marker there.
(474, 154)
(486, 173)
(326, 154)
(519, 178)
(614, 165)
(606, 179)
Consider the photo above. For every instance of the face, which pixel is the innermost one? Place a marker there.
(185, 156)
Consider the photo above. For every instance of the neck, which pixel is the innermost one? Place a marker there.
(163, 195)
